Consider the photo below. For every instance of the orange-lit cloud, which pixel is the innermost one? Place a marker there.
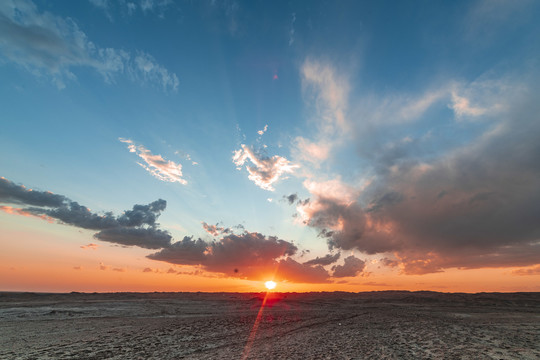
(164, 170)
(22, 212)
(534, 270)
(90, 246)
(266, 170)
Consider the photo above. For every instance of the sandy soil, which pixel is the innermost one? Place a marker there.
(378, 325)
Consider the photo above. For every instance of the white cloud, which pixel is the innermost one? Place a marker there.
(148, 70)
(164, 170)
(49, 45)
(266, 170)
(261, 132)
(328, 92)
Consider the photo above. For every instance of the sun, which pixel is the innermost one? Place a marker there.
(270, 285)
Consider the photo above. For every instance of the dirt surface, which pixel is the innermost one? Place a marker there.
(376, 325)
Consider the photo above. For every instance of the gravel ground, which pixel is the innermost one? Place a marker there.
(376, 325)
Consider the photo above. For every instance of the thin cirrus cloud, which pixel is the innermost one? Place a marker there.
(328, 92)
(266, 171)
(164, 170)
(48, 45)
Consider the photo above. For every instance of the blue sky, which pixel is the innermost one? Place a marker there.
(404, 134)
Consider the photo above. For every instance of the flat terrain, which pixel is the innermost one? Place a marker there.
(373, 325)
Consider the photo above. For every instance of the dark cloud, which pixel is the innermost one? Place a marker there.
(187, 251)
(248, 253)
(291, 270)
(148, 238)
(291, 198)
(215, 230)
(477, 205)
(352, 266)
(325, 260)
(18, 194)
(135, 227)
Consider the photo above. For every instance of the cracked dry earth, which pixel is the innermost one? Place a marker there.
(376, 325)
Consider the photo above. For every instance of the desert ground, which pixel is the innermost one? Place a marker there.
(370, 325)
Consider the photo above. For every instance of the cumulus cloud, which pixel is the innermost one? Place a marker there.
(473, 206)
(265, 170)
(135, 227)
(164, 170)
(352, 266)
(48, 45)
(246, 255)
(325, 260)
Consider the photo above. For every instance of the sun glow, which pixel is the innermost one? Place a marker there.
(270, 285)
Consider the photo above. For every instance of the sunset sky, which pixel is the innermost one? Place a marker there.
(159, 145)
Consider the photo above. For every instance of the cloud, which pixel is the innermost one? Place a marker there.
(469, 207)
(291, 198)
(144, 237)
(215, 230)
(19, 211)
(328, 91)
(246, 254)
(242, 251)
(48, 45)
(135, 227)
(90, 246)
(158, 6)
(146, 69)
(291, 270)
(352, 266)
(19, 194)
(534, 270)
(261, 132)
(266, 170)
(292, 31)
(325, 260)
(164, 170)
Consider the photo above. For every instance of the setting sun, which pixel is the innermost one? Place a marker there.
(270, 285)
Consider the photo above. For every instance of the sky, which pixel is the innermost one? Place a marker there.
(159, 145)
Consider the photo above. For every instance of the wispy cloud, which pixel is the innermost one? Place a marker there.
(534, 270)
(90, 246)
(52, 46)
(164, 170)
(266, 170)
(327, 92)
(292, 30)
